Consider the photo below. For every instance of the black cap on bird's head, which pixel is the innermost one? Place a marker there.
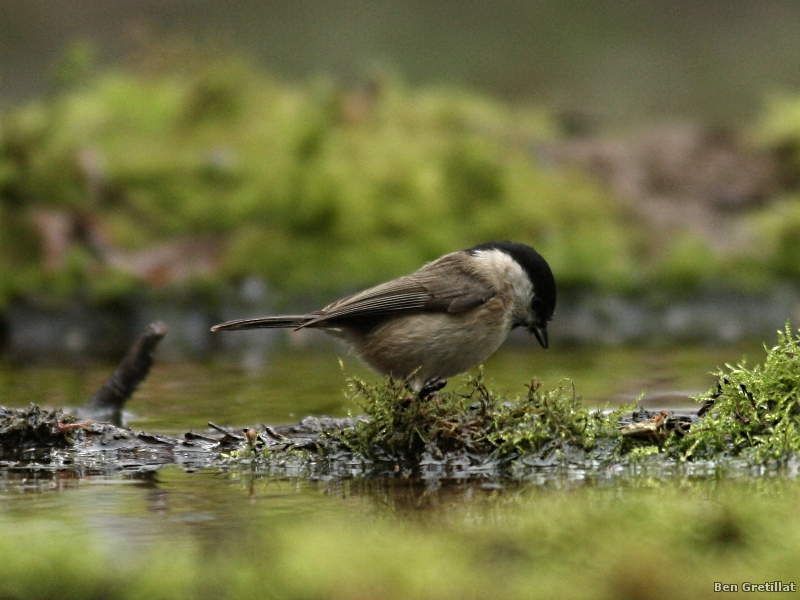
(543, 302)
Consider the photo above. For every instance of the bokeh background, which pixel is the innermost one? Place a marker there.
(196, 161)
(625, 62)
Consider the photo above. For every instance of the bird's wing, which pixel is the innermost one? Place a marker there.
(441, 286)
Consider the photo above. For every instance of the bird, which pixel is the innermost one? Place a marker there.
(443, 319)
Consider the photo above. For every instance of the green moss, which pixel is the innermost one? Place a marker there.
(779, 125)
(778, 229)
(193, 144)
(213, 147)
(753, 412)
(664, 540)
(474, 419)
(689, 262)
(40, 561)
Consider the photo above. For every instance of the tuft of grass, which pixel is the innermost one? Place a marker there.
(473, 419)
(752, 412)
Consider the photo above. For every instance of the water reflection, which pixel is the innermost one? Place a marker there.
(150, 503)
(212, 507)
(180, 396)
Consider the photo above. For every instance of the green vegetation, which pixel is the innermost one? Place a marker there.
(190, 146)
(777, 226)
(314, 176)
(474, 419)
(752, 412)
(648, 539)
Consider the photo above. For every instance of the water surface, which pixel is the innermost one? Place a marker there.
(186, 529)
(179, 396)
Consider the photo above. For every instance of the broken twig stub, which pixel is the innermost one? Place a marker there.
(108, 402)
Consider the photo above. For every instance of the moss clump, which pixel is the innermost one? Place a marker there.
(399, 426)
(751, 412)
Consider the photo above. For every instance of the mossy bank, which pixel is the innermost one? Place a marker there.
(752, 416)
(190, 169)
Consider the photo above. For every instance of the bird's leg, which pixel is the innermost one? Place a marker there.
(431, 387)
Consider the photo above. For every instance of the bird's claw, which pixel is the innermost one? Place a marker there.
(431, 387)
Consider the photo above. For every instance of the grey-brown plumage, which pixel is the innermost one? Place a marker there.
(441, 320)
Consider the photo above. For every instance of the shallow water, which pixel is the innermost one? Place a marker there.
(180, 396)
(209, 512)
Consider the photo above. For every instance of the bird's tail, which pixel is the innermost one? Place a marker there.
(263, 323)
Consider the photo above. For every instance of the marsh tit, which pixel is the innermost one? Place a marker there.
(445, 318)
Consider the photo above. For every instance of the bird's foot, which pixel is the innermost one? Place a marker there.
(431, 387)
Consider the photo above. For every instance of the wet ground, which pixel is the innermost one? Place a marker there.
(168, 418)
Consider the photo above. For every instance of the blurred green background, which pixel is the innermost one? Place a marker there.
(322, 147)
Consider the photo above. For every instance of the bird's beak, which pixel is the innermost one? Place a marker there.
(541, 334)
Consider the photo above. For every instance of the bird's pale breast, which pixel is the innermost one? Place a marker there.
(434, 344)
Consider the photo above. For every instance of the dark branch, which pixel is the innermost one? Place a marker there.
(110, 399)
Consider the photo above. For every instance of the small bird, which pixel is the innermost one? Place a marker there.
(450, 315)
